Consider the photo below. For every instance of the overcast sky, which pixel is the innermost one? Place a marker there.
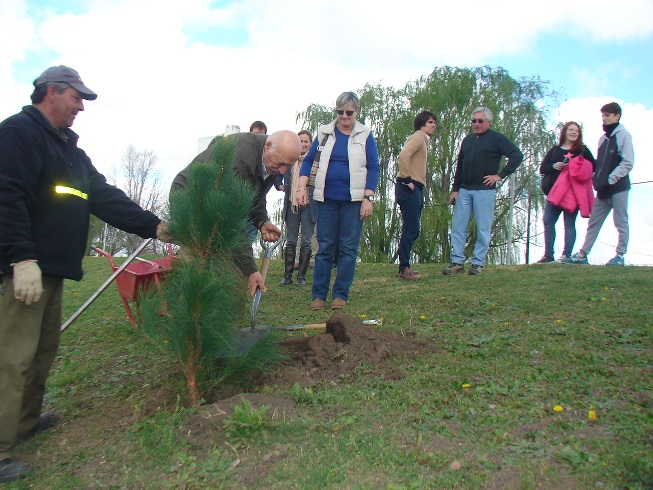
(168, 73)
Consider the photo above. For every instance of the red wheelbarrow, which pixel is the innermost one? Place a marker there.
(130, 278)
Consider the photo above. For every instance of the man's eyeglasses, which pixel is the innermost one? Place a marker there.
(341, 112)
(480, 121)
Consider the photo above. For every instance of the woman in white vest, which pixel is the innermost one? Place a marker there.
(345, 183)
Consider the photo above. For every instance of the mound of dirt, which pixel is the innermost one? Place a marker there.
(346, 344)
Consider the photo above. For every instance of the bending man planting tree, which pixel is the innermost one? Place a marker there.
(259, 158)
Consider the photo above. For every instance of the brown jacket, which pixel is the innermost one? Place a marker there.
(412, 159)
(248, 165)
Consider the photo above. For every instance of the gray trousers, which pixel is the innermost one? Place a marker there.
(618, 204)
(29, 339)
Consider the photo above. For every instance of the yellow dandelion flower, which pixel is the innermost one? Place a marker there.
(591, 415)
(604, 299)
(363, 315)
(558, 408)
(423, 317)
(606, 288)
(558, 321)
(467, 385)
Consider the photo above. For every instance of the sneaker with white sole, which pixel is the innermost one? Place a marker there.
(576, 259)
(617, 260)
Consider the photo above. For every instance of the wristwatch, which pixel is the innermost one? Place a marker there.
(369, 198)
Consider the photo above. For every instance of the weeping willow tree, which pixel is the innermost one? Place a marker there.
(198, 313)
(520, 108)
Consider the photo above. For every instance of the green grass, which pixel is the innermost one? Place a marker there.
(524, 338)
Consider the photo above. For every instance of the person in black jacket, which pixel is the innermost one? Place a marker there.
(556, 159)
(614, 161)
(48, 190)
(474, 188)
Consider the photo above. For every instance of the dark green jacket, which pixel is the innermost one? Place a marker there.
(248, 165)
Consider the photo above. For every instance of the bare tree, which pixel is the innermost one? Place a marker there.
(137, 175)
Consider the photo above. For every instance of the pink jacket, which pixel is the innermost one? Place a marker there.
(573, 189)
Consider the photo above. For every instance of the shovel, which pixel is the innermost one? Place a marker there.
(321, 326)
(248, 336)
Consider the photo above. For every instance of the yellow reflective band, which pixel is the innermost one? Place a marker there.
(69, 190)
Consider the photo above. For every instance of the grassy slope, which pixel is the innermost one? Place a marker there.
(525, 338)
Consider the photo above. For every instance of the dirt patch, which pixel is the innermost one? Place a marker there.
(346, 344)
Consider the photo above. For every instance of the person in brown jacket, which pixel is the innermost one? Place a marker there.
(411, 179)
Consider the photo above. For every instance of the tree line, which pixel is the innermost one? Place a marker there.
(520, 107)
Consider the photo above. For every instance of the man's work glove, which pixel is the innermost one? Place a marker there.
(163, 233)
(28, 286)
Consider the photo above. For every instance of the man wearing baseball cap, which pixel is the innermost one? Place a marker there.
(48, 190)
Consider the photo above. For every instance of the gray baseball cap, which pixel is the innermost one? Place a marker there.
(65, 75)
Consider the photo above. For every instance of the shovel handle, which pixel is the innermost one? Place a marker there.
(265, 265)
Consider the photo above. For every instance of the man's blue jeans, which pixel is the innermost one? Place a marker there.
(551, 215)
(411, 204)
(339, 228)
(481, 203)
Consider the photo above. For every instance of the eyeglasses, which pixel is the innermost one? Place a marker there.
(341, 112)
(480, 121)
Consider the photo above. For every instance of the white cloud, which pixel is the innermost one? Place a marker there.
(161, 87)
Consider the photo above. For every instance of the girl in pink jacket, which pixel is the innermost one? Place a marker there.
(571, 160)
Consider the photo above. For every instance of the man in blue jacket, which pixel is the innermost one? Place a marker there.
(614, 161)
(474, 188)
(48, 190)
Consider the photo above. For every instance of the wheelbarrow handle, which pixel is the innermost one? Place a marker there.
(105, 285)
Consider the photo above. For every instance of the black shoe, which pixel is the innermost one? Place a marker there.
(47, 420)
(289, 264)
(545, 259)
(304, 259)
(11, 470)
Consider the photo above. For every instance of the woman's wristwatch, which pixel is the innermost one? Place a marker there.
(369, 198)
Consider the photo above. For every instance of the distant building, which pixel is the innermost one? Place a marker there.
(203, 143)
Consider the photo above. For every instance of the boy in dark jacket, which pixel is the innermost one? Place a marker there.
(614, 161)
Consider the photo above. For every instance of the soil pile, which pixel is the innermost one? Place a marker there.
(346, 344)
(329, 356)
